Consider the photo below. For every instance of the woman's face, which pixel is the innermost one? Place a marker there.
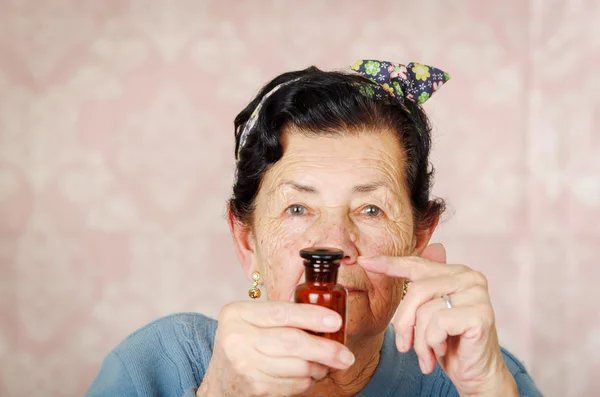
(345, 192)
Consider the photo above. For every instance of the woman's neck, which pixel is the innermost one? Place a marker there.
(351, 381)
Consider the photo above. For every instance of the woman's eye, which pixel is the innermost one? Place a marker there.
(297, 210)
(372, 211)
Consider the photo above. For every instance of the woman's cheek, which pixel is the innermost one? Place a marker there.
(384, 238)
(391, 239)
(282, 260)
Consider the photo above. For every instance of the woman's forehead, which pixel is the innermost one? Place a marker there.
(338, 144)
(359, 160)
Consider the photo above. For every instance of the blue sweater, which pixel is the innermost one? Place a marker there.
(169, 357)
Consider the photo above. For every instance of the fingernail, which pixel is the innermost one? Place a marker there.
(422, 365)
(346, 357)
(332, 321)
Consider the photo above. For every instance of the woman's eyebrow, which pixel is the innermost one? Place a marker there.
(295, 186)
(363, 188)
(369, 187)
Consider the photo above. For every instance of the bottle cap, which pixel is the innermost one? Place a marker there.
(322, 253)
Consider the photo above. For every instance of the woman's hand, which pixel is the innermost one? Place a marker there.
(463, 339)
(261, 350)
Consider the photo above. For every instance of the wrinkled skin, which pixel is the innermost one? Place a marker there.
(348, 192)
(336, 216)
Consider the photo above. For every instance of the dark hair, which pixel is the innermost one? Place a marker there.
(331, 103)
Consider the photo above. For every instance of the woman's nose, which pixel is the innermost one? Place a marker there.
(342, 234)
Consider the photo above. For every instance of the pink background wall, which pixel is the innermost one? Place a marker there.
(116, 160)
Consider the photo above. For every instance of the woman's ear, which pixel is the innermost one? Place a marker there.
(244, 243)
(423, 236)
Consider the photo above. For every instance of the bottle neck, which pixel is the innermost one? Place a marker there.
(321, 273)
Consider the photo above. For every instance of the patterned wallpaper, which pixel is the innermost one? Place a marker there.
(116, 159)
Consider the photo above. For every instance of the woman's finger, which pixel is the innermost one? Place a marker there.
(423, 291)
(422, 349)
(284, 314)
(412, 268)
(470, 322)
(289, 367)
(468, 318)
(263, 384)
(295, 343)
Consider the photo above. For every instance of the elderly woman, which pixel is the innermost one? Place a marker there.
(336, 159)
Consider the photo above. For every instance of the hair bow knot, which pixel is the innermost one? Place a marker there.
(415, 81)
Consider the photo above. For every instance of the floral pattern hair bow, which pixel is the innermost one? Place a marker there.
(415, 81)
(254, 116)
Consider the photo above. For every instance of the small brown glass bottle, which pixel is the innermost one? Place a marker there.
(320, 286)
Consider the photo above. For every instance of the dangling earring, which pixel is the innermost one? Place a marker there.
(254, 292)
(405, 288)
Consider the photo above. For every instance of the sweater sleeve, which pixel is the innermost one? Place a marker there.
(165, 358)
(441, 385)
(189, 392)
(112, 380)
(526, 386)
(525, 383)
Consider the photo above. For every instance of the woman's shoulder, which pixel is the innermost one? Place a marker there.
(180, 326)
(166, 336)
(169, 354)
